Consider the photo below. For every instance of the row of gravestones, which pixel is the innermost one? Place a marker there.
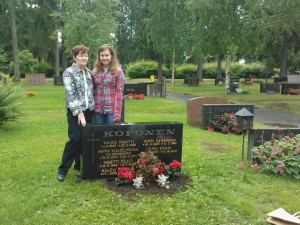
(269, 88)
(201, 110)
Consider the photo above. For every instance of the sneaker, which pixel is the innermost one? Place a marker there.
(60, 177)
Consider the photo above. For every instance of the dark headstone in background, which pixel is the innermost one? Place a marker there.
(210, 111)
(219, 80)
(267, 87)
(146, 88)
(280, 79)
(286, 86)
(105, 148)
(258, 136)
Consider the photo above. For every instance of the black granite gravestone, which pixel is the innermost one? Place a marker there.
(259, 136)
(210, 111)
(286, 87)
(105, 148)
(280, 79)
(269, 87)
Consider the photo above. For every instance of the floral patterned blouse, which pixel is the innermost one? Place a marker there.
(109, 93)
(74, 83)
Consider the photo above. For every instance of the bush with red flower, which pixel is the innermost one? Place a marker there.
(148, 169)
(125, 175)
(135, 96)
(225, 123)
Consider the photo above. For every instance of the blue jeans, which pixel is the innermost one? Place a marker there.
(107, 119)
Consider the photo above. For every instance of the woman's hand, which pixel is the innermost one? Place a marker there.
(81, 119)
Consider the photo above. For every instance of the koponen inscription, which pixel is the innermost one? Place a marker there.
(105, 148)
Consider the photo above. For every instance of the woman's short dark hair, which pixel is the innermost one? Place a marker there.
(79, 49)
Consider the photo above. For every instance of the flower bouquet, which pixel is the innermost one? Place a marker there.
(149, 169)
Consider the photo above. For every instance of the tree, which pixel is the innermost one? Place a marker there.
(167, 25)
(13, 30)
(132, 37)
(220, 23)
(276, 30)
(87, 22)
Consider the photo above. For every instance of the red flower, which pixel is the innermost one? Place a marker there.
(175, 164)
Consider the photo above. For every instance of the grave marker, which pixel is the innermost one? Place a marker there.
(210, 111)
(259, 135)
(105, 148)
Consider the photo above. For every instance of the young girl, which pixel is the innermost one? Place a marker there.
(108, 83)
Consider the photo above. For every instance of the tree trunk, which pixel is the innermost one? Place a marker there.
(219, 66)
(173, 68)
(64, 61)
(228, 68)
(200, 68)
(159, 67)
(284, 55)
(56, 58)
(13, 29)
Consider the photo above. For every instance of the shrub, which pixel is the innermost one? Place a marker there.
(280, 156)
(139, 69)
(225, 123)
(185, 69)
(26, 61)
(44, 67)
(9, 108)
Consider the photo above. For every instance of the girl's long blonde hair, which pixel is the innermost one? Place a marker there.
(114, 64)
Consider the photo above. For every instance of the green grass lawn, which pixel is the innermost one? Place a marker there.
(219, 192)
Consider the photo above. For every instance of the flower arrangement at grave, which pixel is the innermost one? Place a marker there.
(280, 155)
(292, 91)
(225, 123)
(135, 96)
(30, 93)
(149, 169)
(248, 82)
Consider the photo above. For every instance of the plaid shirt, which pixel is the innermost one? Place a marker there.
(109, 93)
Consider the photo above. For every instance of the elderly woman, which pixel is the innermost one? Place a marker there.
(79, 101)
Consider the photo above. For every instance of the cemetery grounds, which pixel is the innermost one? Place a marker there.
(218, 192)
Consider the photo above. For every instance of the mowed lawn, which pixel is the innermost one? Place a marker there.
(219, 192)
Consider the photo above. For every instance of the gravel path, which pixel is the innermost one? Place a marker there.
(267, 116)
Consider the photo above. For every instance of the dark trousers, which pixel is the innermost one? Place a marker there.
(73, 147)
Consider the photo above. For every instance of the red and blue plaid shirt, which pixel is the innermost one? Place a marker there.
(109, 93)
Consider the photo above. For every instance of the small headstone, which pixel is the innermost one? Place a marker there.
(210, 111)
(258, 136)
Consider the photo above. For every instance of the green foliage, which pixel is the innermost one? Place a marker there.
(26, 61)
(3, 59)
(44, 67)
(139, 69)
(280, 156)
(82, 26)
(9, 108)
(185, 69)
(210, 70)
